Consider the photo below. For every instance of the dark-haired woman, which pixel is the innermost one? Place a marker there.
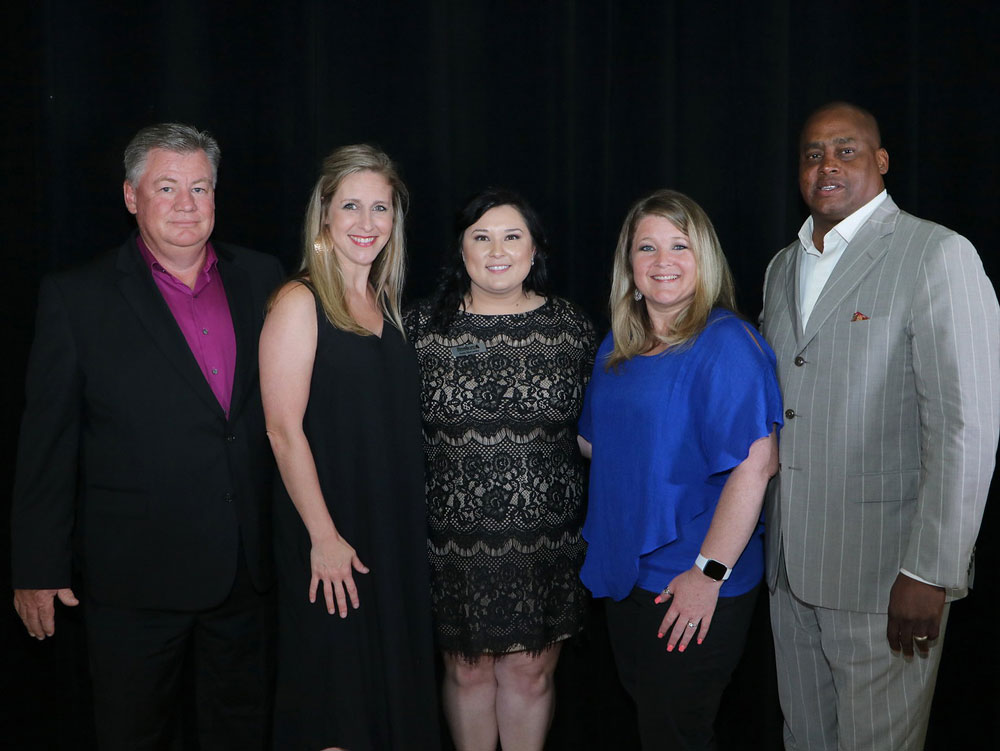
(681, 418)
(504, 368)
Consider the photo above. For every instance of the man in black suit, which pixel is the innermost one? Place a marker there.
(143, 460)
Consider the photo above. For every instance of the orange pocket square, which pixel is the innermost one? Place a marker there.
(858, 316)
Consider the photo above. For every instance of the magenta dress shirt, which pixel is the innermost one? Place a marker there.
(203, 316)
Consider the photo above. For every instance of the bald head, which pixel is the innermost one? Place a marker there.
(865, 119)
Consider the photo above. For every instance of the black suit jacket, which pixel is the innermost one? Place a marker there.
(125, 450)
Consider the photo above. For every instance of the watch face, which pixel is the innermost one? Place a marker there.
(714, 570)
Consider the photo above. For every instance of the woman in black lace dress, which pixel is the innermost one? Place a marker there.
(503, 369)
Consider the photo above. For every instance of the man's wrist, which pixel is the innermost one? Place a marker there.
(918, 578)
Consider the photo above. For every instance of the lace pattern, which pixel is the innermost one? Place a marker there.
(504, 475)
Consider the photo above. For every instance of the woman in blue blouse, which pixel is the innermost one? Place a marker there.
(680, 421)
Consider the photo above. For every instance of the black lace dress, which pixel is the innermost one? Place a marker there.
(500, 397)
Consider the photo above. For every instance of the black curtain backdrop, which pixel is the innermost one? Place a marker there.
(582, 106)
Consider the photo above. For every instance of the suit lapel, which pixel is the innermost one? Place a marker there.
(792, 290)
(246, 323)
(864, 251)
(142, 294)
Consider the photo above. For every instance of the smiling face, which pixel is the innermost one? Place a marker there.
(497, 249)
(174, 202)
(840, 165)
(359, 218)
(664, 269)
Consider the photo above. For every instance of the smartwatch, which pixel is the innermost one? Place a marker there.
(713, 569)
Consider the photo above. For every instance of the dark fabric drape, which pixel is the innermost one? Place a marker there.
(582, 106)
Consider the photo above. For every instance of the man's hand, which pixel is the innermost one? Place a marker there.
(914, 615)
(38, 610)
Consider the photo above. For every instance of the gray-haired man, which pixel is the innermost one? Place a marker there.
(143, 450)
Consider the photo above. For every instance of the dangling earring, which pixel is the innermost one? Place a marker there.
(317, 247)
(532, 260)
(637, 294)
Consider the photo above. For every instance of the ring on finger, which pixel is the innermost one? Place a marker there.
(691, 624)
(921, 638)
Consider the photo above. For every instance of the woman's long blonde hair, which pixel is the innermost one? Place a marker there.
(630, 323)
(319, 260)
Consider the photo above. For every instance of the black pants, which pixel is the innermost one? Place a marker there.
(676, 693)
(136, 662)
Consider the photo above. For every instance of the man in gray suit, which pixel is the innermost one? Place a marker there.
(885, 327)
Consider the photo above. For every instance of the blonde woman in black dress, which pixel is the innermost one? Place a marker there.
(340, 389)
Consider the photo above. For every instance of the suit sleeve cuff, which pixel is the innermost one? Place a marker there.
(950, 593)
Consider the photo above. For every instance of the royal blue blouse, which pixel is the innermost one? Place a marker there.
(666, 432)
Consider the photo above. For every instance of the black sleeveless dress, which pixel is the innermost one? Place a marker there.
(366, 682)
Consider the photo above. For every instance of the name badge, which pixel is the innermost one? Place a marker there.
(469, 348)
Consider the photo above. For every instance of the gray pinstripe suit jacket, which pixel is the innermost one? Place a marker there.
(887, 461)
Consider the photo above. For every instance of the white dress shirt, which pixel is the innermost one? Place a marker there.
(815, 266)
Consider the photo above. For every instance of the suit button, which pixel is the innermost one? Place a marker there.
(789, 414)
(800, 361)
(229, 497)
(230, 438)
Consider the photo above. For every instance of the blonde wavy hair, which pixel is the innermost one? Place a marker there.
(320, 267)
(630, 323)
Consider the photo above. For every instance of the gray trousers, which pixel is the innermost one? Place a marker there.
(841, 687)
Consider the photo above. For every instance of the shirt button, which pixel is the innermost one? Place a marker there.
(229, 497)
(230, 438)
(789, 413)
(215, 371)
(800, 361)
(204, 331)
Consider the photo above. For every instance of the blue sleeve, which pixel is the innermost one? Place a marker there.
(740, 393)
(585, 425)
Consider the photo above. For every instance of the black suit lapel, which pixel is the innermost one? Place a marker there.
(140, 291)
(246, 325)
